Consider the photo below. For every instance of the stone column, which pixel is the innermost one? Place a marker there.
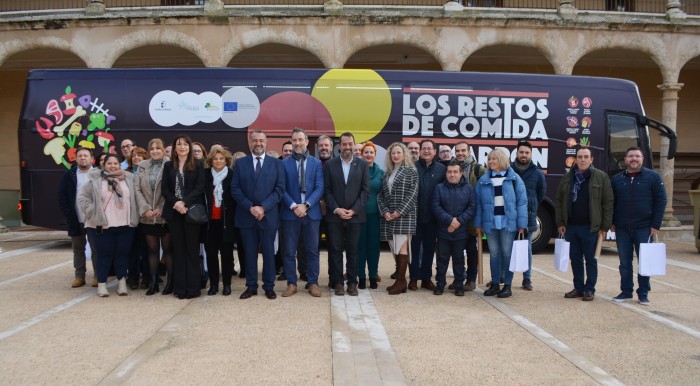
(95, 7)
(566, 10)
(668, 117)
(673, 10)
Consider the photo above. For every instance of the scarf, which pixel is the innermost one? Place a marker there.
(521, 167)
(218, 187)
(113, 182)
(579, 179)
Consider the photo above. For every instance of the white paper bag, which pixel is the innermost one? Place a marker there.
(561, 254)
(652, 258)
(518, 256)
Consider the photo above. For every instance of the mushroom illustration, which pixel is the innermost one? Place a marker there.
(104, 138)
(68, 100)
(55, 149)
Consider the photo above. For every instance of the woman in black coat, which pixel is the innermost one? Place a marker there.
(183, 186)
(220, 207)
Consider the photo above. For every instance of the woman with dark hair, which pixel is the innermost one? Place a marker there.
(199, 152)
(219, 230)
(100, 160)
(138, 256)
(109, 205)
(183, 186)
(153, 226)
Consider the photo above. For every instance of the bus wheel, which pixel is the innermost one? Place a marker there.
(545, 230)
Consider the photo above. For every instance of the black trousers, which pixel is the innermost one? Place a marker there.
(186, 269)
(215, 244)
(138, 258)
(472, 258)
(343, 236)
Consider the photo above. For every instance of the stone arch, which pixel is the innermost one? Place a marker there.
(157, 56)
(427, 43)
(393, 57)
(688, 114)
(24, 46)
(509, 58)
(239, 42)
(641, 43)
(159, 37)
(275, 55)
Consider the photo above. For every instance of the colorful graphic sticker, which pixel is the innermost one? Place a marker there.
(240, 107)
(587, 102)
(573, 102)
(72, 122)
(168, 108)
(586, 122)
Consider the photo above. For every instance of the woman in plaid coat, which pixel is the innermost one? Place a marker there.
(397, 205)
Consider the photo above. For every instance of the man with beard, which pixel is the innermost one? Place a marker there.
(414, 148)
(71, 185)
(324, 144)
(258, 187)
(536, 188)
(640, 200)
(346, 181)
(287, 150)
(301, 212)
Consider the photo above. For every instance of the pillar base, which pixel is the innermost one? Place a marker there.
(95, 8)
(214, 6)
(453, 6)
(333, 6)
(670, 221)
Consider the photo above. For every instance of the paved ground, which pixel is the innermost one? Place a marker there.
(51, 333)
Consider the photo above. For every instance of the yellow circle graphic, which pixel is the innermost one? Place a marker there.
(359, 101)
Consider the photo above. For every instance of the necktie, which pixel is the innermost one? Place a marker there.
(302, 174)
(258, 166)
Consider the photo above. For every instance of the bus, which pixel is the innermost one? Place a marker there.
(65, 109)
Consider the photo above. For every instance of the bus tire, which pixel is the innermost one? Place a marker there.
(545, 230)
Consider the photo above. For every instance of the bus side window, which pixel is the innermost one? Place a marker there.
(623, 133)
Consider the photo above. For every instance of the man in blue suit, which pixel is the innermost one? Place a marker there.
(258, 187)
(301, 212)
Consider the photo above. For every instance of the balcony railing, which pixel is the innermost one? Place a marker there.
(690, 7)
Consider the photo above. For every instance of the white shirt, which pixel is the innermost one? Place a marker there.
(255, 161)
(346, 167)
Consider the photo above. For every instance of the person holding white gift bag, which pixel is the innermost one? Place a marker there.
(640, 199)
(501, 212)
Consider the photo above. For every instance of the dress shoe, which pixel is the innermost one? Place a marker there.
(270, 294)
(248, 294)
(303, 277)
(227, 290)
(339, 290)
(153, 286)
(427, 284)
(352, 289)
(588, 296)
(168, 286)
(291, 290)
(362, 284)
(505, 292)
(573, 294)
(315, 291)
(490, 283)
(373, 283)
(438, 291)
(493, 290)
(102, 290)
(413, 285)
(459, 292)
(213, 290)
(527, 284)
(121, 289)
(470, 286)
(78, 282)
(94, 282)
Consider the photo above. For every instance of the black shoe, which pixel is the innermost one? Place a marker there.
(362, 284)
(438, 290)
(452, 285)
(527, 284)
(588, 296)
(459, 291)
(573, 294)
(490, 283)
(393, 275)
(226, 291)
(303, 277)
(168, 287)
(270, 294)
(493, 290)
(213, 290)
(373, 283)
(248, 293)
(153, 286)
(505, 292)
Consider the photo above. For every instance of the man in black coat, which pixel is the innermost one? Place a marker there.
(72, 183)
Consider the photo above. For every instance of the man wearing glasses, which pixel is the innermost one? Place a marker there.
(126, 146)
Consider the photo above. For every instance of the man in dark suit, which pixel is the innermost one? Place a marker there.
(301, 212)
(346, 192)
(258, 186)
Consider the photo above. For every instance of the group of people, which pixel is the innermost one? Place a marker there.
(423, 205)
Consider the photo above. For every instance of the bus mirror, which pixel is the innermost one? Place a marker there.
(663, 130)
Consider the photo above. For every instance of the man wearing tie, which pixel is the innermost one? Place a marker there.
(301, 212)
(258, 186)
(346, 191)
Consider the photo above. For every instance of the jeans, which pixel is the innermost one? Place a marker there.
(628, 241)
(113, 245)
(583, 243)
(421, 267)
(447, 249)
(500, 247)
(293, 240)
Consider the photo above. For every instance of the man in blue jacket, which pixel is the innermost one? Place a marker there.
(536, 188)
(301, 212)
(640, 199)
(454, 204)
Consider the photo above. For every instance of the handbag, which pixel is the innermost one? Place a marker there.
(652, 258)
(519, 255)
(196, 214)
(561, 254)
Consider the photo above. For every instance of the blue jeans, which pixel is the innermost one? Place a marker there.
(421, 267)
(528, 274)
(583, 243)
(628, 241)
(500, 247)
(446, 249)
(292, 230)
(113, 246)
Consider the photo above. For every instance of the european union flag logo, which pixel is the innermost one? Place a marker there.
(230, 106)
